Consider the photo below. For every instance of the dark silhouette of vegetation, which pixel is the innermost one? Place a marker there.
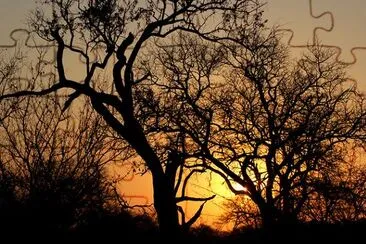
(52, 168)
(188, 87)
(118, 32)
(339, 196)
(296, 125)
(241, 212)
(280, 129)
(9, 68)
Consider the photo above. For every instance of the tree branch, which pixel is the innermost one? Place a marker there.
(194, 199)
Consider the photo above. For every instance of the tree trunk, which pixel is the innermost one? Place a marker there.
(268, 223)
(164, 196)
(277, 224)
(268, 218)
(166, 208)
(288, 219)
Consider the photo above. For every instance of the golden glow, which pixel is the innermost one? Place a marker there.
(239, 187)
(138, 189)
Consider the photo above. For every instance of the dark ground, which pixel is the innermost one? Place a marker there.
(125, 227)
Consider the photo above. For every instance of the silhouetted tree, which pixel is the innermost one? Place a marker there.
(251, 115)
(339, 195)
(52, 167)
(8, 199)
(281, 125)
(114, 33)
(241, 212)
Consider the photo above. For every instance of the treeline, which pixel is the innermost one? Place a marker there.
(162, 85)
(54, 185)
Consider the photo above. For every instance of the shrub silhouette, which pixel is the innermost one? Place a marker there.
(52, 169)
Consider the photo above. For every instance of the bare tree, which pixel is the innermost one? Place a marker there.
(339, 195)
(241, 212)
(113, 34)
(55, 165)
(255, 118)
(284, 126)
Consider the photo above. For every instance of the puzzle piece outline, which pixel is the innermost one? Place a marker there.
(330, 29)
(16, 42)
(315, 35)
(314, 38)
(26, 44)
(288, 30)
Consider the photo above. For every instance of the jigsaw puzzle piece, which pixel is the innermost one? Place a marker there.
(17, 38)
(347, 32)
(295, 18)
(37, 58)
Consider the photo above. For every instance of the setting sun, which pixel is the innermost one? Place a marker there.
(239, 187)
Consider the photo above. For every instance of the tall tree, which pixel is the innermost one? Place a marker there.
(260, 120)
(286, 126)
(112, 34)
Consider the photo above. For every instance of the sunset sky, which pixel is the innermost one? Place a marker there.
(338, 24)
